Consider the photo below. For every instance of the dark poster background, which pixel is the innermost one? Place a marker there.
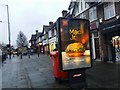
(64, 33)
(74, 41)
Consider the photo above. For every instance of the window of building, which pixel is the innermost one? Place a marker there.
(83, 15)
(46, 36)
(109, 10)
(81, 6)
(93, 14)
(49, 33)
(77, 11)
(43, 38)
(53, 33)
(71, 10)
(40, 39)
(85, 5)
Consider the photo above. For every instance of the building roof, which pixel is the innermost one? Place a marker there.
(71, 5)
(40, 34)
(72, 9)
(33, 37)
(45, 28)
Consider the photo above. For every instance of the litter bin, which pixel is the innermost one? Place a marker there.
(58, 74)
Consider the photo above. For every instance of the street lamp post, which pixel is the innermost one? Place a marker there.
(8, 29)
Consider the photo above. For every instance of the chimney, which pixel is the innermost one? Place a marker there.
(36, 31)
(50, 23)
(64, 12)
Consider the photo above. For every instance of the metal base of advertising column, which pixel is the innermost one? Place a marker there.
(77, 78)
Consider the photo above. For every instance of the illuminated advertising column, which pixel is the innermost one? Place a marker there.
(74, 44)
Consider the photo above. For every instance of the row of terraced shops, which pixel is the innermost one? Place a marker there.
(104, 30)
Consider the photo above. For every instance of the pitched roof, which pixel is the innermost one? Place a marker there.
(33, 37)
(46, 28)
(72, 3)
(40, 34)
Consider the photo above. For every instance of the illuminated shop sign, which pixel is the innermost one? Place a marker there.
(52, 40)
(45, 42)
(74, 44)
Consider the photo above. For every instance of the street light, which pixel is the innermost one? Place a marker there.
(8, 27)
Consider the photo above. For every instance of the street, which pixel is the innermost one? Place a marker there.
(29, 73)
(36, 72)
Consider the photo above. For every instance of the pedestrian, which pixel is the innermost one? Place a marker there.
(29, 52)
(48, 52)
(114, 54)
(13, 54)
(38, 53)
(21, 55)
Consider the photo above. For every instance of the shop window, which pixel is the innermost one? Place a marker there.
(109, 10)
(116, 45)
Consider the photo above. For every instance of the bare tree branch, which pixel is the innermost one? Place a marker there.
(21, 40)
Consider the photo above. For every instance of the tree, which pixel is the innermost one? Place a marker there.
(21, 40)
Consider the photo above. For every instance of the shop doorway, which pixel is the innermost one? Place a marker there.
(97, 50)
(116, 45)
(95, 45)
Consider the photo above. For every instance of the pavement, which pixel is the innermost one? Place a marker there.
(104, 75)
(36, 72)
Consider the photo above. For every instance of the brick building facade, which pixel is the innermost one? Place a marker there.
(104, 27)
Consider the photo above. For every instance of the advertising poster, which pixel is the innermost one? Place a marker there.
(75, 44)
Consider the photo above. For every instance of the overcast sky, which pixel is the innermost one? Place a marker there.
(28, 16)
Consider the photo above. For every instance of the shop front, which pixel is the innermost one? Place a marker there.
(111, 41)
(95, 40)
(45, 46)
(116, 45)
(52, 43)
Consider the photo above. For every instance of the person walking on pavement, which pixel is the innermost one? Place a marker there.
(29, 52)
(13, 55)
(21, 54)
(38, 53)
